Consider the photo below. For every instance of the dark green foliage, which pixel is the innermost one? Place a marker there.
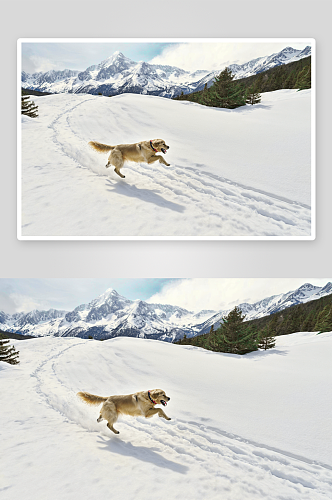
(252, 95)
(295, 75)
(16, 336)
(324, 320)
(304, 79)
(312, 316)
(233, 336)
(225, 93)
(28, 107)
(34, 92)
(7, 353)
(299, 318)
(267, 336)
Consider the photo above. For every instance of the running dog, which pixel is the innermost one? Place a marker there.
(144, 151)
(139, 404)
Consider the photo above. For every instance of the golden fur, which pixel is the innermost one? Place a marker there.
(138, 404)
(144, 151)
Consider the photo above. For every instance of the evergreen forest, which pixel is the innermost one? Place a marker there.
(237, 336)
(226, 92)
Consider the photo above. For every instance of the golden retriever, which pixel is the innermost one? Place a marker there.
(144, 151)
(139, 404)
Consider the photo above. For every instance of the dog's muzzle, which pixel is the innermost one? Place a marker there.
(164, 150)
(163, 402)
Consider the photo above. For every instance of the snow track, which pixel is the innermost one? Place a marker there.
(205, 192)
(191, 456)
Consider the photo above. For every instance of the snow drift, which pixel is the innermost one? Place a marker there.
(249, 427)
(234, 173)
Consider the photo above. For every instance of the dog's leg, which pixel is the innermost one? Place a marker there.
(160, 412)
(109, 413)
(116, 159)
(154, 158)
(112, 428)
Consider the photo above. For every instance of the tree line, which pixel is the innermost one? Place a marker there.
(236, 336)
(226, 92)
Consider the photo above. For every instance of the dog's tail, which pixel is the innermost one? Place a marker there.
(101, 148)
(90, 399)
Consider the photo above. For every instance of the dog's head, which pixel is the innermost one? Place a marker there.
(160, 145)
(159, 396)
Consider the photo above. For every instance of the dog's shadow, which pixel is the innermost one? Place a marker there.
(146, 195)
(115, 445)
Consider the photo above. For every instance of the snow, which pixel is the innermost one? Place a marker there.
(234, 173)
(115, 313)
(250, 427)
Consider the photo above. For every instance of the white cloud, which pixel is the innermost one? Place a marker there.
(197, 294)
(216, 55)
(43, 64)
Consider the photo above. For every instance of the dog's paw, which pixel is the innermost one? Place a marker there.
(168, 164)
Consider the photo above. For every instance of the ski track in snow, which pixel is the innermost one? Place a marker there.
(221, 463)
(222, 207)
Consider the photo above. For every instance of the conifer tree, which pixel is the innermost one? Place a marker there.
(225, 93)
(28, 108)
(235, 337)
(324, 320)
(267, 338)
(7, 353)
(252, 95)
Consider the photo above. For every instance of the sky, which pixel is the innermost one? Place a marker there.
(193, 294)
(207, 55)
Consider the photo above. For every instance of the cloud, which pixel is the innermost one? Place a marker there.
(211, 56)
(217, 294)
(14, 302)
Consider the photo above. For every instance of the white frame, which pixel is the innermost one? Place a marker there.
(310, 41)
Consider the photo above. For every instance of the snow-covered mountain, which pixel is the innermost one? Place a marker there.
(118, 74)
(111, 315)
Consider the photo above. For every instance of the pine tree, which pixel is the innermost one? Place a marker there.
(267, 338)
(225, 93)
(28, 108)
(235, 337)
(253, 96)
(7, 353)
(324, 320)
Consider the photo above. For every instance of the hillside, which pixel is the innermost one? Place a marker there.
(233, 173)
(249, 428)
(300, 317)
(286, 76)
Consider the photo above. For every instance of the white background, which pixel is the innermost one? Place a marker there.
(74, 19)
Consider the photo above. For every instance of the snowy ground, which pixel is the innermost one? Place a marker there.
(234, 173)
(250, 427)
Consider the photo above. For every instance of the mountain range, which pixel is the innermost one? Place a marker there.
(112, 315)
(118, 74)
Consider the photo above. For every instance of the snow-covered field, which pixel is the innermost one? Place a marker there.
(250, 427)
(234, 173)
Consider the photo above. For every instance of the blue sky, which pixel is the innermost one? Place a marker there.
(193, 294)
(189, 55)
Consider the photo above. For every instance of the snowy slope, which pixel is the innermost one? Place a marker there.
(118, 74)
(234, 173)
(112, 315)
(250, 427)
